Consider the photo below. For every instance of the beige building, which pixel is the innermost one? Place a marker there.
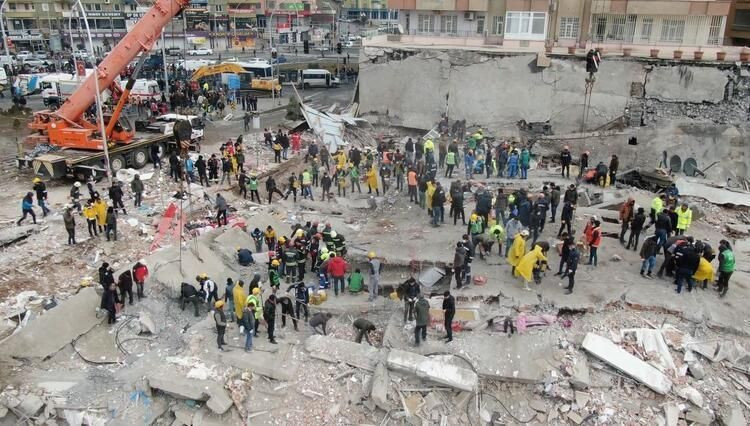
(525, 23)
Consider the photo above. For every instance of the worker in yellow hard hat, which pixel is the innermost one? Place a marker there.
(274, 276)
(371, 255)
(41, 195)
(221, 323)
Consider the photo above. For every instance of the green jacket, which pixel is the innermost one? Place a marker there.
(356, 281)
(450, 158)
(525, 158)
(728, 264)
(354, 173)
(252, 184)
(423, 311)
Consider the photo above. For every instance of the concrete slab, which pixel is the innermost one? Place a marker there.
(264, 363)
(335, 350)
(433, 370)
(59, 326)
(146, 411)
(713, 194)
(99, 345)
(617, 357)
(172, 383)
(16, 233)
(381, 383)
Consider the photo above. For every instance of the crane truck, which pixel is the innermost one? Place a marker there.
(68, 143)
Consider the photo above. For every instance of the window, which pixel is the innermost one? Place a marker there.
(118, 24)
(133, 7)
(26, 6)
(497, 25)
(480, 24)
(646, 25)
(87, 6)
(218, 8)
(97, 7)
(11, 6)
(569, 27)
(117, 7)
(525, 25)
(672, 30)
(714, 29)
(45, 7)
(449, 24)
(426, 23)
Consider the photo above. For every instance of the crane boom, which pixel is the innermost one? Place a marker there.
(140, 38)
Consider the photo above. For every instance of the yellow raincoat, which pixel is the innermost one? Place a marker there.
(705, 271)
(526, 265)
(101, 212)
(341, 160)
(517, 250)
(239, 295)
(428, 194)
(89, 212)
(372, 178)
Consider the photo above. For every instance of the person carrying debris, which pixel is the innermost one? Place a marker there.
(363, 328)
(410, 294)
(422, 314)
(140, 273)
(220, 319)
(527, 263)
(726, 267)
(518, 249)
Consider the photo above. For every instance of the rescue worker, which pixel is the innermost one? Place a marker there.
(657, 205)
(372, 181)
(188, 293)
(270, 237)
(75, 196)
(684, 219)
(498, 233)
(109, 303)
(252, 185)
(726, 267)
(571, 262)
(363, 328)
(41, 195)
(626, 216)
(274, 276)
(257, 236)
(449, 311)
(221, 209)
(565, 159)
(229, 299)
(269, 314)
(70, 224)
(125, 284)
(140, 273)
(594, 241)
(376, 267)
(101, 213)
(636, 227)
(136, 185)
(255, 299)
(27, 208)
(290, 263)
(705, 272)
(111, 224)
(115, 194)
(518, 249)
(422, 313)
(248, 315)
(220, 319)
(90, 214)
(238, 295)
(320, 320)
(356, 282)
(301, 299)
(527, 263)
(244, 256)
(411, 293)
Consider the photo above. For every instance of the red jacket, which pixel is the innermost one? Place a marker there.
(140, 273)
(596, 237)
(337, 267)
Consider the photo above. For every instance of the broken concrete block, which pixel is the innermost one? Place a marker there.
(217, 399)
(30, 405)
(331, 349)
(263, 363)
(49, 333)
(147, 324)
(617, 357)
(582, 398)
(698, 416)
(581, 377)
(381, 382)
(438, 372)
(413, 403)
(431, 401)
(734, 418)
(538, 405)
(6, 329)
(672, 414)
(183, 416)
(691, 394)
(460, 400)
(696, 370)
(575, 417)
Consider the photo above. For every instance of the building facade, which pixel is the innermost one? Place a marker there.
(524, 23)
(223, 25)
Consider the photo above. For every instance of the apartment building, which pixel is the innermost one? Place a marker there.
(525, 23)
(738, 23)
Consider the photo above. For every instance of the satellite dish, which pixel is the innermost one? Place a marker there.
(675, 163)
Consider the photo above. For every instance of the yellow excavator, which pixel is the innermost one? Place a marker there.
(248, 82)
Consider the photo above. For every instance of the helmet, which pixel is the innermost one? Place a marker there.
(473, 217)
(37, 180)
(282, 240)
(256, 291)
(219, 304)
(334, 234)
(525, 233)
(275, 263)
(299, 233)
(203, 275)
(77, 184)
(370, 255)
(239, 248)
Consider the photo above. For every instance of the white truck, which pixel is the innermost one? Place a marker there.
(164, 124)
(57, 87)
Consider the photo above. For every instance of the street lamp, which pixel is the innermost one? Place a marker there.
(100, 114)
(5, 43)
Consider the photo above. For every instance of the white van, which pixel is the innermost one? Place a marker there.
(28, 84)
(317, 78)
(164, 124)
(144, 89)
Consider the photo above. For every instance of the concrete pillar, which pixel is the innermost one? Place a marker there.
(585, 23)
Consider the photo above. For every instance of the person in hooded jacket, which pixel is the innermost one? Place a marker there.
(27, 208)
(136, 185)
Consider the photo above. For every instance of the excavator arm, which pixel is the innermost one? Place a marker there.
(209, 70)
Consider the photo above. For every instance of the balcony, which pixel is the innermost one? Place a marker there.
(662, 7)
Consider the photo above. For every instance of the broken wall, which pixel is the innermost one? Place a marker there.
(495, 92)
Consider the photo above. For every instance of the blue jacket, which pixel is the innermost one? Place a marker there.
(26, 204)
(189, 165)
(513, 160)
(469, 160)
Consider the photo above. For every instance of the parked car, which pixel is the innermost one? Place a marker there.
(81, 54)
(23, 55)
(202, 51)
(41, 55)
